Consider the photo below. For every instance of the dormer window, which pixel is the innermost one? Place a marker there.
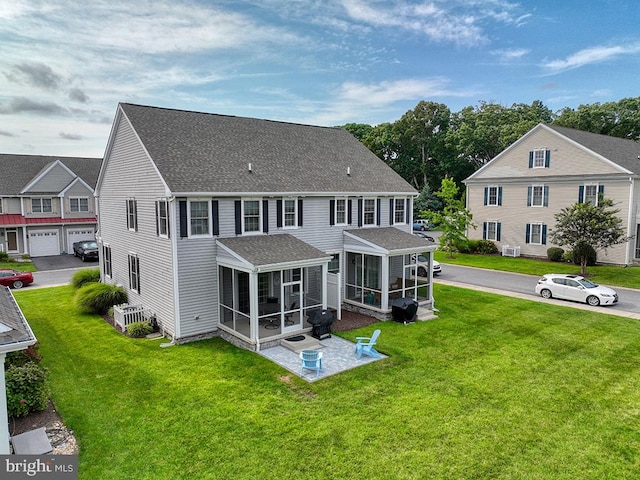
(41, 205)
(79, 204)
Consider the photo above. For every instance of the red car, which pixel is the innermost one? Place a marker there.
(15, 279)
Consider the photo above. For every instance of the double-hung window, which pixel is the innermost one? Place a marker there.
(134, 272)
(493, 196)
(538, 196)
(290, 212)
(41, 205)
(399, 216)
(369, 211)
(132, 214)
(539, 158)
(199, 218)
(106, 259)
(162, 218)
(78, 204)
(251, 216)
(536, 233)
(341, 211)
(491, 231)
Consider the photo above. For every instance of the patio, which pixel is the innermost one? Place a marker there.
(338, 356)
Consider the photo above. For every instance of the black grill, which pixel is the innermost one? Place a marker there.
(321, 321)
(404, 310)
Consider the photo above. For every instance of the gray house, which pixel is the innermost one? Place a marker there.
(515, 196)
(239, 227)
(46, 203)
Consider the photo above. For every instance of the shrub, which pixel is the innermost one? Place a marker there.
(4, 257)
(555, 254)
(462, 246)
(27, 389)
(485, 247)
(22, 357)
(584, 250)
(99, 297)
(567, 256)
(139, 329)
(85, 276)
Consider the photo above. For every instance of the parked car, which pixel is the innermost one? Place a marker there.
(576, 288)
(14, 278)
(421, 224)
(86, 250)
(425, 236)
(423, 266)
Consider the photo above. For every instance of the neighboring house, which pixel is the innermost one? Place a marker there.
(240, 227)
(46, 203)
(15, 335)
(515, 196)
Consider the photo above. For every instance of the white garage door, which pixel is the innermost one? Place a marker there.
(74, 236)
(43, 243)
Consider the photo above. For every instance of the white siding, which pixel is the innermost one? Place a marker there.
(129, 170)
(78, 191)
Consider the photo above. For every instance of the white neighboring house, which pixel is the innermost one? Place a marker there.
(515, 196)
(15, 335)
(241, 227)
(46, 203)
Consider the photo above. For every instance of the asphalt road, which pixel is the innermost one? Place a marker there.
(523, 286)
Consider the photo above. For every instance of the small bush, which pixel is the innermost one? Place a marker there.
(99, 297)
(4, 257)
(22, 357)
(584, 250)
(567, 256)
(555, 254)
(85, 276)
(26, 256)
(139, 329)
(462, 246)
(485, 247)
(27, 389)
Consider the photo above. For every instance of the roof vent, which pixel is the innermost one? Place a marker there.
(250, 168)
(349, 171)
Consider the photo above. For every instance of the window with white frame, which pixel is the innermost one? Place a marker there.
(493, 196)
(399, 211)
(162, 218)
(78, 204)
(106, 259)
(492, 231)
(538, 196)
(369, 211)
(536, 233)
(591, 194)
(341, 211)
(134, 272)
(199, 218)
(251, 215)
(538, 158)
(41, 205)
(1, 206)
(290, 212)
(132, 214)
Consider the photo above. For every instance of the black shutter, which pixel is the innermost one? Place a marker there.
(279, 213)
(359, 212)
(157, 223)
(391, 205)
(527, 233)
(484, 230)
(581, 194)
(215, 217)
(600, 193)
(531, 159)
(265, 216)
(486, 195)
(407, 204)
(300, 213)
(332, 212)
(498, 228)
(378, 213)
(544, 234)
(349, 212)
(238, 207)
(529, 195)
(499, 195)
(547, 158)
(184, 231)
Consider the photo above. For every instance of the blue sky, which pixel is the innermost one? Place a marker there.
(65, 64)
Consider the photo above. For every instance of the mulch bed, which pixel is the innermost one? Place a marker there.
(352, 320)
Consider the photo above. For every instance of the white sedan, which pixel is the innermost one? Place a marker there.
(576, 288)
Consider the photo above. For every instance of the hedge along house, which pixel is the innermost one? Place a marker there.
(240, 227)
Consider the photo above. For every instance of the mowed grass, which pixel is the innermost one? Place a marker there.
(606, 274)
(494, 388)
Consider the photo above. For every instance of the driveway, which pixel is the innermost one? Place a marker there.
(57, 270)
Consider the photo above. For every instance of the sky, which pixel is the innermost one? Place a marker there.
(66, 64)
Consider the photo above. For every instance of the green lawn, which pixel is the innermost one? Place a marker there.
(605, 274)
(495, 388)
(20, 266)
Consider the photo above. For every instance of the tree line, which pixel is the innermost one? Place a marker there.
(430, 142)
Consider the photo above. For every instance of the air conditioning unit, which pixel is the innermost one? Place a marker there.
(509, 251)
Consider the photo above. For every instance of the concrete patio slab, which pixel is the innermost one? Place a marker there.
(338, 356)
(33, 442)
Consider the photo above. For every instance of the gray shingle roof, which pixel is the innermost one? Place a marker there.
(17, 171)
(11, 316)
(262, 250)
(391, 239)
(202, 152)
(625, 153)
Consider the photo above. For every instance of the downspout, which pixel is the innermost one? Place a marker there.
(632, 206)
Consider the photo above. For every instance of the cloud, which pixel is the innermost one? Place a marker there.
(78, 95)
(507, 55)
(4, 133)
(25, 105)
(35, 74)
(70, 136)
(590, 55)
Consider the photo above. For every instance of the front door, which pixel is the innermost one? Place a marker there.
(12, 240)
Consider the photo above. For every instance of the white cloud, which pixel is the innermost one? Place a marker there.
(590, 55)
(509, 54)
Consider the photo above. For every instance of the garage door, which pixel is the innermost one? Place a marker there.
(74, 236)
(44, 243)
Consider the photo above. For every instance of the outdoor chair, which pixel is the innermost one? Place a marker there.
(311, 360)
(364, 346)
(287, 316)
